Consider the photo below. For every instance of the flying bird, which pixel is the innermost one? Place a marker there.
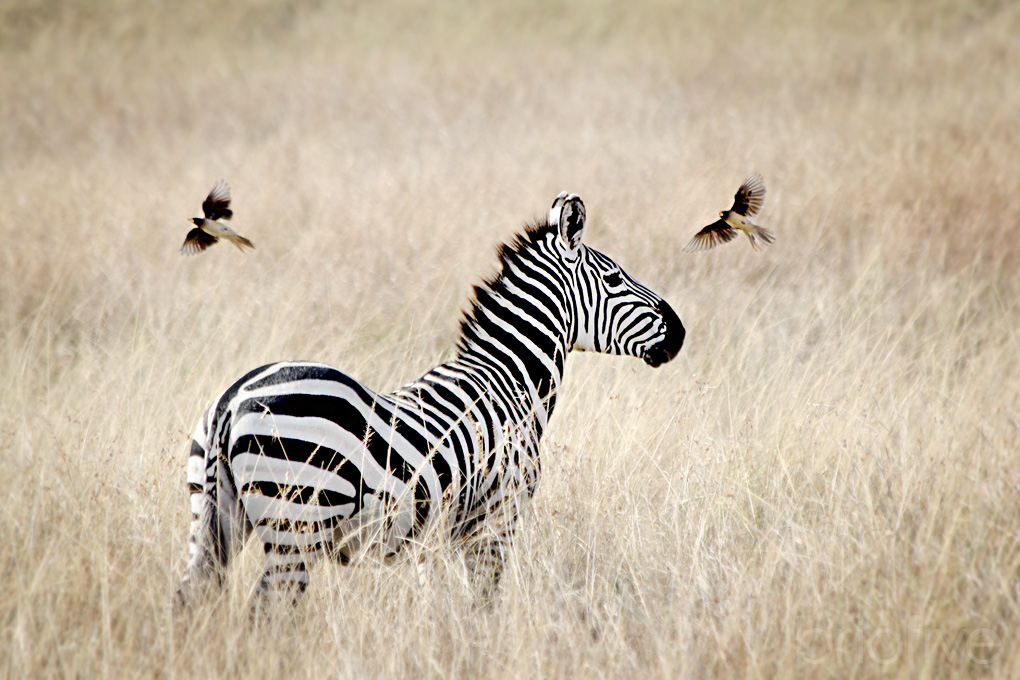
(747, 203)
(209, 230)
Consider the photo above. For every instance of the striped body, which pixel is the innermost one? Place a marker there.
(314, 463)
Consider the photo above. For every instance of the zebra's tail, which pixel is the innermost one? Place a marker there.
(218, 524)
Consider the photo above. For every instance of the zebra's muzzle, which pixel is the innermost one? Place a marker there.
(667, 348)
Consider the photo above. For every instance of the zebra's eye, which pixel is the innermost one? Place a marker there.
(613, 279)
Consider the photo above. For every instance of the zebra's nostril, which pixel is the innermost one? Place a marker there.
(673, 332)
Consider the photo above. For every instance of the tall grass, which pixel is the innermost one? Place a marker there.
(824, 483)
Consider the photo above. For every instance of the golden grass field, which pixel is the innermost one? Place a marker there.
(825, 482)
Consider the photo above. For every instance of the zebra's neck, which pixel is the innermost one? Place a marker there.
(519, 327)
(516, 336)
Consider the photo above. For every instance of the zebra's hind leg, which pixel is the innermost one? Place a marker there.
(485, 559)
(218, 524)
(285, 577)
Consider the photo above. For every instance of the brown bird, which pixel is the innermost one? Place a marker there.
(209, 230)
(747, 203)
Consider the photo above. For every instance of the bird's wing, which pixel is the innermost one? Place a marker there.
(711, 236)
(750, 197)
(217, 204)
(196, 241)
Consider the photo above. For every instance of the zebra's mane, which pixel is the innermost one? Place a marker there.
(532, 234)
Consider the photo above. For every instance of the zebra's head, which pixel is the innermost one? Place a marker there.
(614, 313)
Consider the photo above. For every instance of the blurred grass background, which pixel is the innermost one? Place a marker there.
(823, 484)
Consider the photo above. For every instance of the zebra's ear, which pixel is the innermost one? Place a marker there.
(571, 220)
(554, 211)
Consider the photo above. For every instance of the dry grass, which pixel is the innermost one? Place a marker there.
(825, 483)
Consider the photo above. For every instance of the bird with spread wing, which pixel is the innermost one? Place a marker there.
(747, 203)
(209, 230)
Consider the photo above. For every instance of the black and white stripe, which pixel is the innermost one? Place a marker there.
(315, 463)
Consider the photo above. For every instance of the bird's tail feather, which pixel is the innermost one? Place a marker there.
(240, 241)
(762, 233)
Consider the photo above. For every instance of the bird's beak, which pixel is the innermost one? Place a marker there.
(720, 214)
(191, 219)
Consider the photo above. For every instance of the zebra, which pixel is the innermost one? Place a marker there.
(315, 464)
